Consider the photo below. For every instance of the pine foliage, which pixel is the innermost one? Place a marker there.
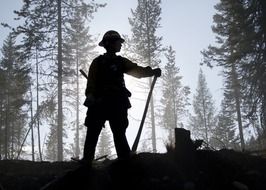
(174, 95)
(203, 121)
(15, 83)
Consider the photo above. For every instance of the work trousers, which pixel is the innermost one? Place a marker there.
(116, 114)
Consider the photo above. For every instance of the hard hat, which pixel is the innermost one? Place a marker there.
(111, 35)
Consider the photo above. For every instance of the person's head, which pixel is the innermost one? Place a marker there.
(112, 41)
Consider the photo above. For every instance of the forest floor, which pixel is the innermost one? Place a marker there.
(198, 170)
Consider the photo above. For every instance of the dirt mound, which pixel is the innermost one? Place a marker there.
(224, 169)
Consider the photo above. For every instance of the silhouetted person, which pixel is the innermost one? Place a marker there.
(107, 97)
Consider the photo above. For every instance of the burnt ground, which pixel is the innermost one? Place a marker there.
(198, 170)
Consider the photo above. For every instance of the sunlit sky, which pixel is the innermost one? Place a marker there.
(185, 25)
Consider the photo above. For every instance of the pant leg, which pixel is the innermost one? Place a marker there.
(118, 123)
(94, 124)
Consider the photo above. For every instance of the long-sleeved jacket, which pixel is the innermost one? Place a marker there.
(106, 76)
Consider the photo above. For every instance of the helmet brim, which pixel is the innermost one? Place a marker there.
(101, 43)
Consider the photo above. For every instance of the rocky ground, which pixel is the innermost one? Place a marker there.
(197, 170)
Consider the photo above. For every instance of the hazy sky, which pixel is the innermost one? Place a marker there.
(185, 25)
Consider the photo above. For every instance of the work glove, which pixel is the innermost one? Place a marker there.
(157, 72)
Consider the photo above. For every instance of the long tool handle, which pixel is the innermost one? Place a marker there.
(136, 142)
(83, 73)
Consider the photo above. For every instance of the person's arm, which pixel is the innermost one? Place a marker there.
(91, 84)
(138, 71)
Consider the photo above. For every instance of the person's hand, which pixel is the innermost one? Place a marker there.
(157, 72)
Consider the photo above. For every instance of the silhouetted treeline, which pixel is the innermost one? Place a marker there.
(240, 28)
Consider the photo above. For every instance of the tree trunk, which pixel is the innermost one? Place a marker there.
(12, 134)
(174, 113)
(38, 114)
(1, 125)
(77, 149)
(32, 132)
(263, 115)
(236, 87)
(154, 148)
(7, 125)
(205, 123)
(60, 101)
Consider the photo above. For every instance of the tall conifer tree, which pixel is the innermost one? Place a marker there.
(175, 96)
(16, 82)
(224, 135)
(105, 143)
(78, 52)
(203, 121)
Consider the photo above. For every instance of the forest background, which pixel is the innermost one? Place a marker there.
(179, 35)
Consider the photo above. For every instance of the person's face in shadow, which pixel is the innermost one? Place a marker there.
(114, 46)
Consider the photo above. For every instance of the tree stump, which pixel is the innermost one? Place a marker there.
(185, 152)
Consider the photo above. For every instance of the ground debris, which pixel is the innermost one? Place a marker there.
(224, 169)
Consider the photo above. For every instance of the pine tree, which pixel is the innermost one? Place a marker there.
(104, 144)
(78, 52)
(2, 112)
(174, 95)
(203, 121)
(224, 133)
(253, 59)
(51, 144)
(16, 82)
(48, 108)
(146, 44)
(228, 27)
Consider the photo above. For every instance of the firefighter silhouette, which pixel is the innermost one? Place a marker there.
(107, 97)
